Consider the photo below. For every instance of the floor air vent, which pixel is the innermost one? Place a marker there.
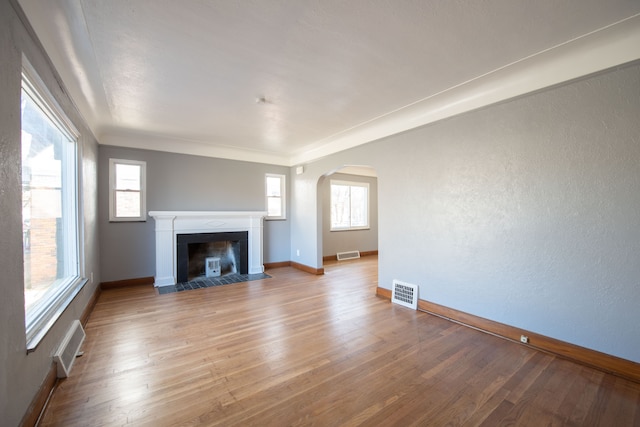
(405, 294)
(69, 348)
(348, 255)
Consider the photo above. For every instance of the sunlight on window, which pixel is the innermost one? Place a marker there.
(275, 196)
(127, 190)
(349, 205)
(49, 210)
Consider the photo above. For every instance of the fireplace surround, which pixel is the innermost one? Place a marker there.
(170, 224)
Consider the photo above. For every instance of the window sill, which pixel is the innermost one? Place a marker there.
(34, 341)
(350, 229)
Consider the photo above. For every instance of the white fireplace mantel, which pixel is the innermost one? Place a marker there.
(171, 223)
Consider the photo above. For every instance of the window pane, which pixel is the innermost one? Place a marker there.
(127, 190)
(274, 206)
(340, 206)
(273, 186)
(275, 196)
(349, 205)
(128, 204)
(358, 206)
(127, 177)
(48, 203)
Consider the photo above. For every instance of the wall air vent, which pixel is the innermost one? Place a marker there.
(348, 255)
(405, 294)
(69, 349)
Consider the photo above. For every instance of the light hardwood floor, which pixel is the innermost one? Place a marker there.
(299, 349)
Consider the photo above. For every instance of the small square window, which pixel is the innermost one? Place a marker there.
(349, 205)
(127, 182)
(275, 194)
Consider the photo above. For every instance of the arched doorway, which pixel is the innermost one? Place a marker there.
(339, 235)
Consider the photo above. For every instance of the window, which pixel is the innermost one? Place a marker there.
(349, 205)
(127, 182)
(275, 189)
(50, 217)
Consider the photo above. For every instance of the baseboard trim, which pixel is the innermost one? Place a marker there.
(127, 282)
(317, 271)
(39, 402)
(383, 293)
(280, 264)
(362, 254)
(307, 269)
(84, 318)
(595, 359)
(368, 253)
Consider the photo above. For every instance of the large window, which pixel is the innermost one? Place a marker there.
(349, 205)
(127, 182)
(50, 218)
(275, 191)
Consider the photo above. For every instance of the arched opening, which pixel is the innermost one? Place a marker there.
(343, 228)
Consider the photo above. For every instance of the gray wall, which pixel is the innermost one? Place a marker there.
(341, 241)
(179, 182)
(526, 212)
(22, 374)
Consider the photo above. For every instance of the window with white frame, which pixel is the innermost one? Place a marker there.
(276, 196)
(50, 213)
(349, 205)
(127, 185)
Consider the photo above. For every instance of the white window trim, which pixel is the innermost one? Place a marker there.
(43, 97)
(112, 190)
(352, 184)
(44, 313)
(283, 196)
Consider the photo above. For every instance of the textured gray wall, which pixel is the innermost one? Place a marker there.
(341, 241)
(179, 182)
(23, 374)
(526, 212)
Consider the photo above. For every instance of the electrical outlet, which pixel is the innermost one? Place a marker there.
(92, 277)
(297, 252)
(524, 339)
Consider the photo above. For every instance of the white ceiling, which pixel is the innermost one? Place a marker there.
(184, 76)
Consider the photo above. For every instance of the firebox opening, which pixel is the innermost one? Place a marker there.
(216, 253)
(227, 253)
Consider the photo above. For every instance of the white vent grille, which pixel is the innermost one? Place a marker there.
(69, 348)
(404, 294)
(348, 255)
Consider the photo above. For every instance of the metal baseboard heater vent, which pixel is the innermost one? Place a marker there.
(405, 294)
(348, 255)
(69, 349)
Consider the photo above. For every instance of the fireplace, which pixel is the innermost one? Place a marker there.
(227, 249)
(170, 225)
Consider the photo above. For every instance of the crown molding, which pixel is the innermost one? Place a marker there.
(599, 50)
(181, 146)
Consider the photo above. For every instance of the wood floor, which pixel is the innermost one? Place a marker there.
(299, 349)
